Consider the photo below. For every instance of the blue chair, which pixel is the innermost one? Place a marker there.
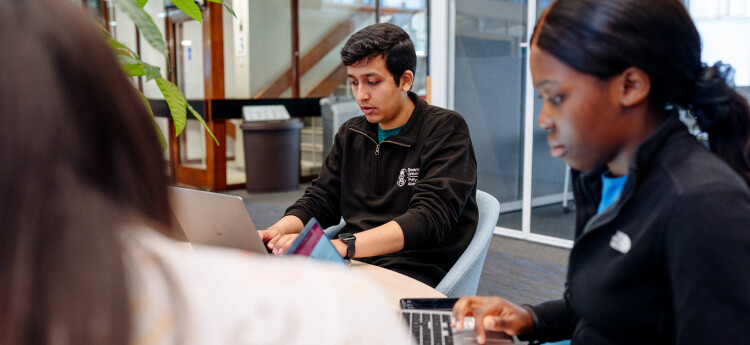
(333, 230)
(463, 278)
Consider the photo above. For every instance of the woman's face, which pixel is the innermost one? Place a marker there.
(580, 113)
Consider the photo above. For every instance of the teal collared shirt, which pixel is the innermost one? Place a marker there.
(385, 133)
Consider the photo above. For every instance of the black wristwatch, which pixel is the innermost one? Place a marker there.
(349, 240)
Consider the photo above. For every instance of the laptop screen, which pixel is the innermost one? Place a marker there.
(314, 243)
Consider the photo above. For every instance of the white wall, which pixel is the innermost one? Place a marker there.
(236, 57)
(441, 35)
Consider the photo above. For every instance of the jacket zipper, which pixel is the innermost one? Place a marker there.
(393, 142)
(377, 153)
(377, 145)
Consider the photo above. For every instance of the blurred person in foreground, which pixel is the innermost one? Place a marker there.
(84, 252)
(662, 242)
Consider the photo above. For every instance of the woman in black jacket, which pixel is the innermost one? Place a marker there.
(662, 246)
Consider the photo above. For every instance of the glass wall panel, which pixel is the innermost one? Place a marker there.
(489, 90)
(722, 25)
(324, 27)
(269, 43)
(190, 59)
(189, 40)
(411, 15)
(148, 54)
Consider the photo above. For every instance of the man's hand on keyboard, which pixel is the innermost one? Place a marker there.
(285, 226)
(284, 243)
(491, 313)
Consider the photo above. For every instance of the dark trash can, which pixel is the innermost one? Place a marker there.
(272, 155)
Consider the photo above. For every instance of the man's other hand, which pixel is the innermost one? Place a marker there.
(285, 225)
(270, 237)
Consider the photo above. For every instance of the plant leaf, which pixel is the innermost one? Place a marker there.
(134, 70)
(189, 7)
(177, 106)
(119, 47)
(176, 102)
(126, 59)
(102, 28)
(142, 3)
(134, 67)
(152, 72)
(159, 133)
(200, 118)
(147, 104)
(226, 5)
(230, 10)
(144, 23)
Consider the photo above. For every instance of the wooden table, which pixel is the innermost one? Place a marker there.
(395, 285)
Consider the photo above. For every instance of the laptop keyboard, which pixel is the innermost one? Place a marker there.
(429, 328)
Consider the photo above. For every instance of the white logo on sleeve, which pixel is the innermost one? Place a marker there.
(408, 176)
(620, 242)
(413, 175)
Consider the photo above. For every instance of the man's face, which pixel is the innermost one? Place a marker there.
(381, 100)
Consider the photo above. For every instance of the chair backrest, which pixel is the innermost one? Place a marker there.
(332, 231)
(463, 278)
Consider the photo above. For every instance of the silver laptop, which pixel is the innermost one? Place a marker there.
(215, 219)
(433, 327)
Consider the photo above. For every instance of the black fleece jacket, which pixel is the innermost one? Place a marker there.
(424, 178)
(668, 263)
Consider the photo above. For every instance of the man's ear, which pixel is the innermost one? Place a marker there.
(407, 79)
(635, 85)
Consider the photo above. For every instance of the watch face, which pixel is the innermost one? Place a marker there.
(346, 237)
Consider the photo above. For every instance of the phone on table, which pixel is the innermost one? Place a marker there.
(428, 303)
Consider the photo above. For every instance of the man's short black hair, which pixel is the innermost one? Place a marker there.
(387, 40)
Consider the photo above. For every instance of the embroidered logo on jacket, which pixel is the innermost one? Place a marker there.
(620, 242)
(408, 176)
(401, 178)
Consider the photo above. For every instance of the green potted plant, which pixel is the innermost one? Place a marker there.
(135, 67)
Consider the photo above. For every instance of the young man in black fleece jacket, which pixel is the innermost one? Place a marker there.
(403, 176)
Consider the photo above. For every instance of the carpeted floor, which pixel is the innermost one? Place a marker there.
(551, 220)
(520, 271)
(523, 272)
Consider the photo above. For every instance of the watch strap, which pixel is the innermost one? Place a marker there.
(349, 239)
